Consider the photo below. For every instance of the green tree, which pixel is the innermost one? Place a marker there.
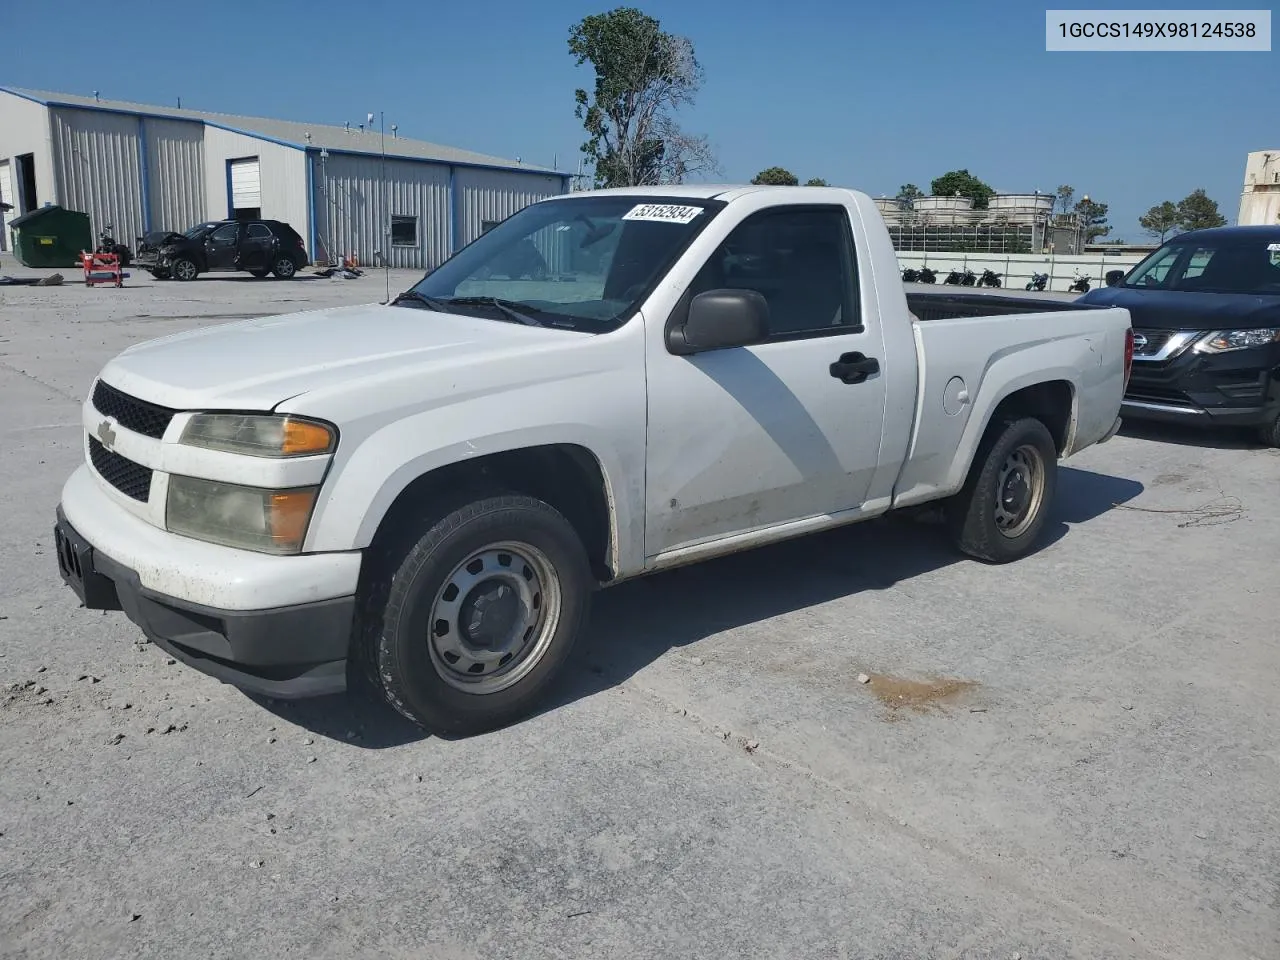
(1160, 219)
(776, 177)
(643, 76)
(907, 195)
(1066, 193)
(1092, 217)
(1196, 212)
(816, 182)
(965, 184)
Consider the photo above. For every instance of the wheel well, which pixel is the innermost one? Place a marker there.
(1048, 402)
(566, 476)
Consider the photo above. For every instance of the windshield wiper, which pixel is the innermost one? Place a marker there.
(508, 307)
(413, 296)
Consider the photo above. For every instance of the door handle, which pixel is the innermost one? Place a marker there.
(854, 367)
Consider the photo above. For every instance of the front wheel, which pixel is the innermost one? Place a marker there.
(184, 269)
(1000, 512)
(480, 615)
(284, 268)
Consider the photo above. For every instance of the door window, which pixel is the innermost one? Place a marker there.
(225, 233)
(258, 231)
(801, 261)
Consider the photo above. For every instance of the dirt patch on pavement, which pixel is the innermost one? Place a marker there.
(918, 696)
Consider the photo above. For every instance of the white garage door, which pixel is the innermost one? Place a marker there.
(6, 196)
(246, 184)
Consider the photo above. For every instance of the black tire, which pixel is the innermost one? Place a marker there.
(184, 269)
(978, 516)
(1270, 433)
(259, 274)
(160, 274)
(285, 268)
(407, 598)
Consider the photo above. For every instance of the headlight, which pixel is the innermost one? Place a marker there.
(269, 521)
(259, 435)
(1225, 340)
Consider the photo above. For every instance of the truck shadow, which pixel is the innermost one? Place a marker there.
(635, 623)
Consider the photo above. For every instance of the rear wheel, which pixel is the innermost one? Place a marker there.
(284, 268)
(1000, 512)
(479, 616)
(184, 269)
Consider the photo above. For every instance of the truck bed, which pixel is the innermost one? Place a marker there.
(950, 303)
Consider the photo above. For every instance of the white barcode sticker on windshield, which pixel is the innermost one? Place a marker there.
(662, 213)
(1273, 247)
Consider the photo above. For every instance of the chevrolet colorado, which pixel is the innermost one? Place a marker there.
(423, 494)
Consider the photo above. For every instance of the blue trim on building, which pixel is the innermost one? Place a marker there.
(470, 165)
(312, 228)
(231, 210)
(455, 219)
(144, 164)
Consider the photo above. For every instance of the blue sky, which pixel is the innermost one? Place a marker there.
(864, 95)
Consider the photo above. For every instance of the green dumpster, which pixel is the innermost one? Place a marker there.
(51, 237)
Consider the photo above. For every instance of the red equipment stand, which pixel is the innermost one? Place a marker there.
(102, 268)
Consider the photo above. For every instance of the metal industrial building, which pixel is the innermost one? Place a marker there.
(1260, 199)
(141, 168)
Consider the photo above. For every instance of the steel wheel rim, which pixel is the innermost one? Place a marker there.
(1019, 491)
(184, 269)
(284, 268)
(494, 617)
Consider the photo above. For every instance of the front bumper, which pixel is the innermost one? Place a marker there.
(1240, 388)
(279, 626)
(287, 652)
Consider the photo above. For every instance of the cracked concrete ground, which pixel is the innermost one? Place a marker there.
(712, 779)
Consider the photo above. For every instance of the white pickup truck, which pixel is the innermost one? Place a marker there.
(424, 494)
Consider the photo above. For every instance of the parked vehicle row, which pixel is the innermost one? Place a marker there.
(421, 496)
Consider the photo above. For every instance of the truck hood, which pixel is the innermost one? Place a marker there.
(258, 364)
(1184, 310)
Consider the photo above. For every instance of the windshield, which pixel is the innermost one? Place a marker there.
(1211, 266)
(578, 263)
(198, 230)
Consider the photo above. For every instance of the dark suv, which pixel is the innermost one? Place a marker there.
(258, 247)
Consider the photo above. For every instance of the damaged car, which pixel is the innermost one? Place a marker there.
(258, 247)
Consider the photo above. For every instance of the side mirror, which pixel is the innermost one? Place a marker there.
(1114, 277)
(718, 319)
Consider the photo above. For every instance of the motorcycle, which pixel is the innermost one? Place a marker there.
(107, 244)
(1080, 284)
(910, 276)
(961, 278)
(989, 279)
(927, 276)
(1038, 281)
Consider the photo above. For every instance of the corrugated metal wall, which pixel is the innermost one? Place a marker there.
(283, 172)
(24, 128)
(98, 170)
(494, 195)
(175, 173)
(351, 213)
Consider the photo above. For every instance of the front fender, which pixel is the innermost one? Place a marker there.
(601, 412)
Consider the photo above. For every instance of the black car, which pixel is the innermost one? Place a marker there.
(1206, 321)
(258, 247)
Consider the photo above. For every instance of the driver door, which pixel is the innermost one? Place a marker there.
(744, 438)
(222, 247)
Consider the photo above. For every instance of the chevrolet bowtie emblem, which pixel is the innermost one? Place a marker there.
(106, 434)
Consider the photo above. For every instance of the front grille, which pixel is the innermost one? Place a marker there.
(1155, 341)
(149, 419)
(131, 479)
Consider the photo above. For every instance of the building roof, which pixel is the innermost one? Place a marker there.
(291, 133)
